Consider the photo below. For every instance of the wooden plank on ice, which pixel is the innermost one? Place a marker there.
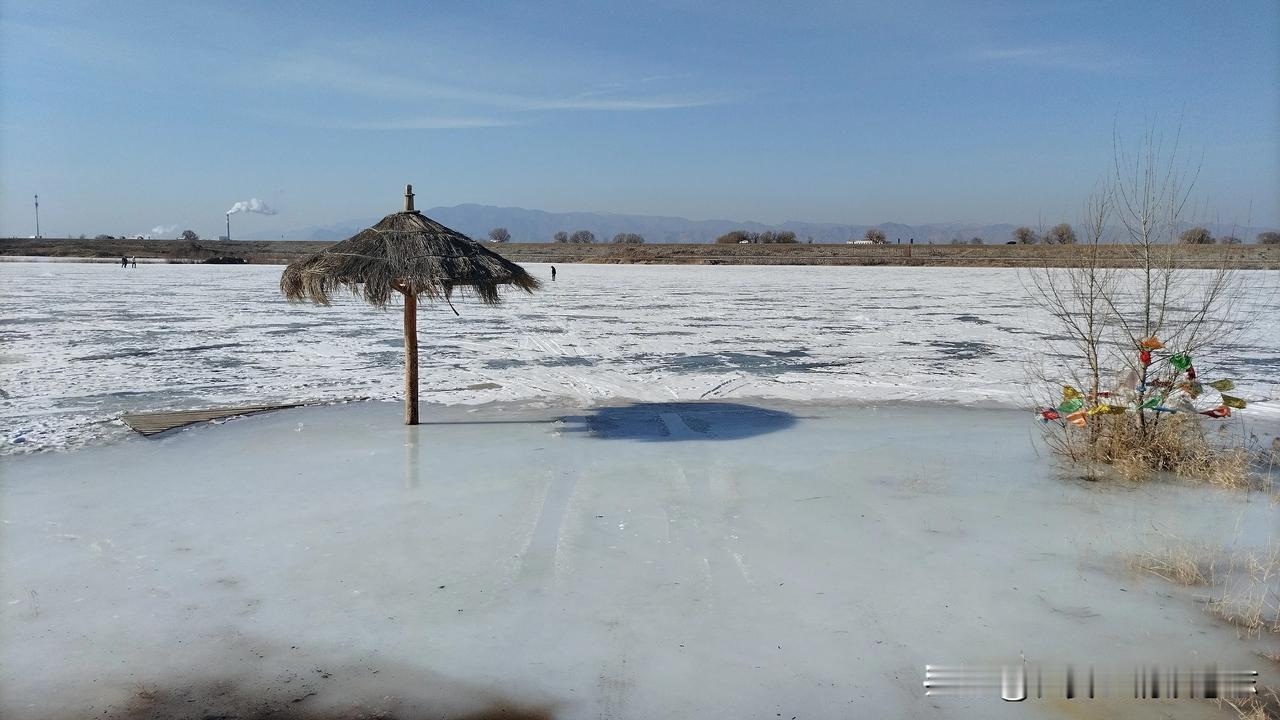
(155, 423)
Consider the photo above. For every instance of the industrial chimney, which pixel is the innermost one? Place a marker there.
(228, 226)
(408, 198)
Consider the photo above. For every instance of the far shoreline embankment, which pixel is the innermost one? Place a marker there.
(267, 252)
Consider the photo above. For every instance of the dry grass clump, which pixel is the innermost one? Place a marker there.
(1265, 705)
(1244, 585)
(1181, 565)
(1174, 443)
(1250, 592)
(1248, 614)
(1246, 593)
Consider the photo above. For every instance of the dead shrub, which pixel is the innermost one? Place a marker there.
(1176, 444)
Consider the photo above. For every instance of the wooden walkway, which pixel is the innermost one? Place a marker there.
(155, 423)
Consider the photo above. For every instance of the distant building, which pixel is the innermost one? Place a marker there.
(860, 242)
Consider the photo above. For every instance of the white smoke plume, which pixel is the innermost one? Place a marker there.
(163, 230)
(252, 205)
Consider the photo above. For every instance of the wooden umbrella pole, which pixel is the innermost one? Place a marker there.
(410, 356)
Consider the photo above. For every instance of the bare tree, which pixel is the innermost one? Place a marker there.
(1268, 238)
(1076, 298)
(582, 237)
(1060, 234)
(875, 235)
(734, 237)
(562, 237)
(1186, 313)
(1196, 236)
(628, 239)
(772, 237)
(500, 235)
(975, 241)
(1230, 240)
(1116, 320)
(1025, 236)
(189, 236)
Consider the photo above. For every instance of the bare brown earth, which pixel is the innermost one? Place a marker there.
(1265, 257)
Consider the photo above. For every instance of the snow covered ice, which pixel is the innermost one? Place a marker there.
(82, 343)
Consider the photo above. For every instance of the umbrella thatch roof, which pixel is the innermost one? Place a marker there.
(404, 250)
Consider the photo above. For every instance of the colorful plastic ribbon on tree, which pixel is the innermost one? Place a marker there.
(1150, 404)
(1073, 409)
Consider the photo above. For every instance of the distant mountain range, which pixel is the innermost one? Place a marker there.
(538, 226)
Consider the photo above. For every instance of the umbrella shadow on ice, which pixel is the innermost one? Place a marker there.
(676, 421)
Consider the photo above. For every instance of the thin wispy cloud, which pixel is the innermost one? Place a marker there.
(69, 43)
(355, 80)
(423, 123)
(1066, 57)
(661, 102)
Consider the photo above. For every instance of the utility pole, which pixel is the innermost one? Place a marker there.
(37, 216)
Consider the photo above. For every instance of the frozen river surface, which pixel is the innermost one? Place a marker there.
(669, 560)
(82, 343)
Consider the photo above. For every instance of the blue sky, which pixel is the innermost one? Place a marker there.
(125, 116)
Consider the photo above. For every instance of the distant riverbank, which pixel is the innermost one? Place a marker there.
(1260, 257)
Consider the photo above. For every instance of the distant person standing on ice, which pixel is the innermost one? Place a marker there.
(133, 262)
(553, 273)
(124, 261)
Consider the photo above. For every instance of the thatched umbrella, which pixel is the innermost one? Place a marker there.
(410, 254)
